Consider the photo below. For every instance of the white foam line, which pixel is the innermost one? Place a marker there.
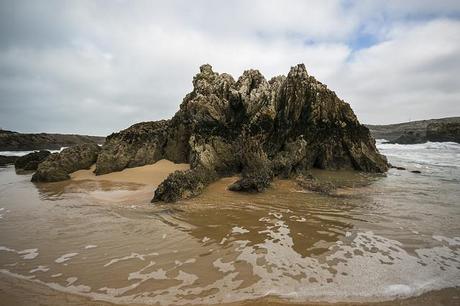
(65, 257)
(132, 256)
(40, 269)
(239, 230)
(382, 270)
(25, 254)
(455, 241)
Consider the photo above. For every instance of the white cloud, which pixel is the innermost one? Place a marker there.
(410, 75)
(106, 65)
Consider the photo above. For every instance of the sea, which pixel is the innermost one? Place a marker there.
(378, 239)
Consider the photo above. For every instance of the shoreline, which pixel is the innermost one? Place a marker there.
(18, 290)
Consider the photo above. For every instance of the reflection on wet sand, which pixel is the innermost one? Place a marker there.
(315, 221)
(115, 186)
(56, 191)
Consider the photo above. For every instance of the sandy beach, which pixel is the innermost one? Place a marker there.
(148, 175)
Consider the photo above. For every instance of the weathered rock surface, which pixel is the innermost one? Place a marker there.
(139, 145)
(443, 132)
(58, 166)
(184, 184)
(31, 161)
(7, 160)
(251, 126)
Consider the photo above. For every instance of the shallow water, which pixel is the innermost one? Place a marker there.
(379, 238)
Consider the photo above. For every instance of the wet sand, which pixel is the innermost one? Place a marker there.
(98, 241)
(148, 174)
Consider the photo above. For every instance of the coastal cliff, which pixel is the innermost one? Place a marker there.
(440, 130)
(14, 141)
(253, 127)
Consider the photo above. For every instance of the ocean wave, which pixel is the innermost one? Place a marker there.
(434, 155)
(22, 153)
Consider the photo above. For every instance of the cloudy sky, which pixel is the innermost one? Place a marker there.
(95, 67)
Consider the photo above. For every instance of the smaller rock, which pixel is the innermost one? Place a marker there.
(30, 162)
(252, 183)
(416, 171)
(6, 160)
(184, 184)
(58, 166)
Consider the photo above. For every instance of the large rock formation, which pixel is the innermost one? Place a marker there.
(252, 126)
(58, 166)
(443, 132)
(30, 162)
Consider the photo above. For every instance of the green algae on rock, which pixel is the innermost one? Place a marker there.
(252, 126)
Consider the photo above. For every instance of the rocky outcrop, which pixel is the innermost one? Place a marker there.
(14, 141)
(252, 126)
(184, 184)
(441, 132)
(30, 162)
(7, 160)
(58, 166)
(141, 144)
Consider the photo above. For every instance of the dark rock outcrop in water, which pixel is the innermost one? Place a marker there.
(14, 141)
(31, 161)
(443, 132)
(410, 138)
(185, 184)
(7, 160)
(251, 126)
(58, 166)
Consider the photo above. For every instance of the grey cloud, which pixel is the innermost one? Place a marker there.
(98, 66)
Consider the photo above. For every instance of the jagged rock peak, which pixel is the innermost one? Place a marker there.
(298, 70)
(206, 69)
